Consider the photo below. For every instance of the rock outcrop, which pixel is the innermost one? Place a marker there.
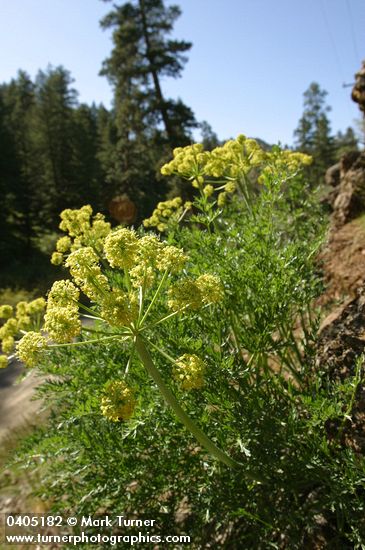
(358, 91)
(342, 338)
(347, 197)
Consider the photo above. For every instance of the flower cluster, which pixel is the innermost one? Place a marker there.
(84, 230)
(235, 158)
(84, 267)
(6, 311)
(140, 258)
(27, 314)
(120, 278)
(189, 372)
(223, 168)
(119, 308)
(188, 162)
(165, 212)
(230, 161)
(118, 402)
(194, 294)
(121, 247)
(143, 257)
(62, 318)
(30, 348)
(283, 163)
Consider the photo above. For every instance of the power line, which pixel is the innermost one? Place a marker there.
(335, 52)
(332, 41)
(353, 36)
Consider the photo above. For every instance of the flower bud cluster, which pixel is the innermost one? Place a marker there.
(26, 315)
(121, 247)
(118, 402)
(143, 257)
(189, 372)
(283, 163)
(119, 308)
(165, 212)
(6, 311)
(188, 162)
(84, 267)
(62, 318)
(229, 161)
(194, 294)
(84, 230)
(30, 348)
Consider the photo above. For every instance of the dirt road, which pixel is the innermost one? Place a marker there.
(16, 405)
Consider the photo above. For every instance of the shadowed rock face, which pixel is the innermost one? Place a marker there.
(347, 198)
(350, 200)
(340, 344)
(358, 91)
(342, 338)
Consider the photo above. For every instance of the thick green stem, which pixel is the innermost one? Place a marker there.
(178, 410)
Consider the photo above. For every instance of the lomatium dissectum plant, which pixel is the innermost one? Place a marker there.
(124, 276)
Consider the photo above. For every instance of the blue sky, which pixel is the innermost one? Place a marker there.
(250, 62)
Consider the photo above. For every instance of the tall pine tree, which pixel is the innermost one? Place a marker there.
(53, 133)
(146, 123)
(313, 134)
(23, 195)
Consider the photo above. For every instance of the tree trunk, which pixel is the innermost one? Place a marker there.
(161, 102)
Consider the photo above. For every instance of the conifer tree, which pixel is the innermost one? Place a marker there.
(23, 195)
(146, 123)
(53, 130)
(88, 176)
(313, 134)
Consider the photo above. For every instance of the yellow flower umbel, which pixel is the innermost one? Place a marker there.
(3, 361)
(230, 161)
(85, 269)
(118, 403)
(171, 259)
(30, 348)
(211, 288)
(27, 315)
(185, 294)
(57, 258)
(166, 212)
(118, 308)
(10, 328)
(8, 345)
(194, 294)
(36, 307)
(62, 317)
(188, 162)
(189, 372)
(283, 164)
(121, 247)
(83, 230)
(6, 312)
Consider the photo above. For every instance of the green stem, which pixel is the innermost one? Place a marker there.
(127, 279)
(179, 411)
(357, 380)
(167, 317)
(155, 296)
(85, 342)
(130, 358)
(163, 353)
